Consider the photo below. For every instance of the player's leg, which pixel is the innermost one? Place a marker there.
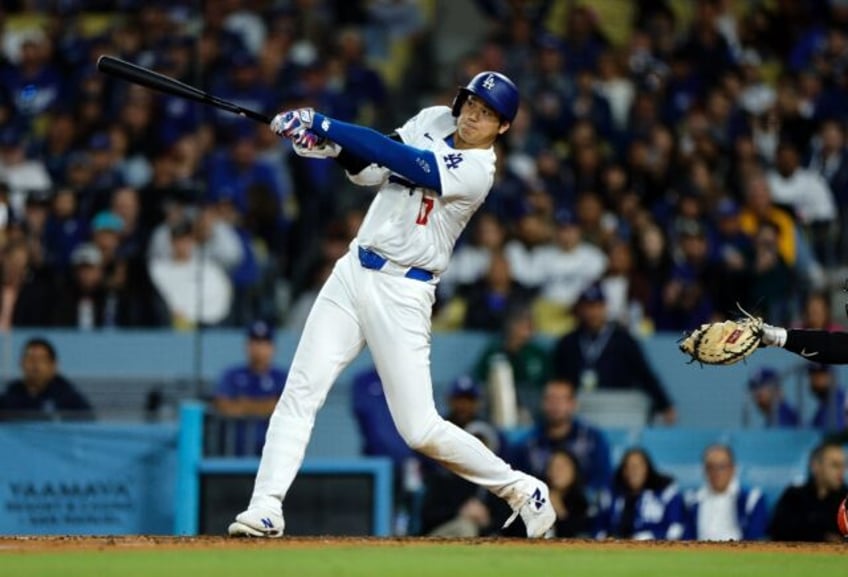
(397, 330)
(331, 339)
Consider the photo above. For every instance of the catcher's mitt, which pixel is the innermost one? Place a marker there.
(723, 343)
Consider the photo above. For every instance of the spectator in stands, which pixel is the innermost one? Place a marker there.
(604, 356)
(529, 361)
(64, 229)
(489, 300)
(452, 506)
(817, 313)
(808, 512)
(804, 192)
(178, 283)
(559, 428)
(569, 264)
(764, 385)
(471, 260)
(42, 393)
(831, 414)
(248, 392)
(567, 495)
(723, 509)
(83, 302)
(20, 173)
(642, 503)
(24, 289)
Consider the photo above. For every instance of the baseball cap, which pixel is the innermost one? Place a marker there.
(86, 253)
(465, 386)
(727, 207)
(592, 294)
(260, 331)
(100, 142)
(763, 377)
(818, 368)
(565, 217)
(107, 220)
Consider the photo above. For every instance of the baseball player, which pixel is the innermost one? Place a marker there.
(433, 173)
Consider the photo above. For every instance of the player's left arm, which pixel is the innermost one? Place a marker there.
(819, 346)
(415, 164)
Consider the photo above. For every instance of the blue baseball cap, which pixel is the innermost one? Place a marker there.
(593, 293)
(260, 331)
(465, 386)
(763, 377)
(565, 217)
(107, 220)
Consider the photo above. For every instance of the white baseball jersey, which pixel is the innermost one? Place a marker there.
(414, 226)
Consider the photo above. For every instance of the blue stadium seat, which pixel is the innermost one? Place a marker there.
(677, 451)
(619, 441)
(773, 459)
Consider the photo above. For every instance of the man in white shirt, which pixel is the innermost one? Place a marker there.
(570, 264)
(801, 189)
(724, 510)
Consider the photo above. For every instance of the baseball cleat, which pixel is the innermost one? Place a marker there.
(535, 509)
(257, 524)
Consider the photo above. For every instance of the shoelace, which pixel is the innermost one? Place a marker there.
(515, 513)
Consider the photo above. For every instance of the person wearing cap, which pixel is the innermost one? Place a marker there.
(452, 506)
(767, 395)
(733, 252)
(83, 302)
(248, 392)
(189, 299)
(570, 263)
(600, 354)
(21, 174)
(831, 415)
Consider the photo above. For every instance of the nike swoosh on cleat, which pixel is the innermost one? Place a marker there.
(805, 354)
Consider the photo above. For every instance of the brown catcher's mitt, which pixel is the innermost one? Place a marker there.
(723, 343)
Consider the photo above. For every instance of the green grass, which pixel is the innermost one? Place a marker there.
(465, 560)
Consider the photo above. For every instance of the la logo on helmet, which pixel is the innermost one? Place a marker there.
(489, 83)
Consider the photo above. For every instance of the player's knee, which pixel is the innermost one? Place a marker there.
(421, 436)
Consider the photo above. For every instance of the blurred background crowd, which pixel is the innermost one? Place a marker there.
(689, 156)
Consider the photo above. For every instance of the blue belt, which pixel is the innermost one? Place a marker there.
(371, 260)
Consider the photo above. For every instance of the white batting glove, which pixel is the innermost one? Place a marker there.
(290, 122)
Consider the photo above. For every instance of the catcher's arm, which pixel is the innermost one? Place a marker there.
(829, 348)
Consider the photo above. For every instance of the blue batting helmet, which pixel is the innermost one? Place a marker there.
(494, 89)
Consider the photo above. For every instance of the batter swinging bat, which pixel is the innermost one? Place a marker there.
(162, 83)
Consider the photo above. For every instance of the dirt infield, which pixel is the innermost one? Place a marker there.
(35, 544)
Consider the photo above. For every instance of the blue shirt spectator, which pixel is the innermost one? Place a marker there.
(767, 395)
(249, 392)
(830, 415)
(642, 504)
(559, 429)
(722, 509)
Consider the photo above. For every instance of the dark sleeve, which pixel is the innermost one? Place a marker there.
(785, 520)
(829, 348)
(645, 376)
(354, 164)
(564, 363)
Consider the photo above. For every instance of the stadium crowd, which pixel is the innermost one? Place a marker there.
(687, 165)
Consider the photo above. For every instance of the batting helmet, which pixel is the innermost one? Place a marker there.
(494, 89)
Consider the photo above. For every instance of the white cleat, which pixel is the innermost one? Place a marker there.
(257, 524)
(536, 510)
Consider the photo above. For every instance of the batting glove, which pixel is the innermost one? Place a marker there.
(310, 145)
(290, 122)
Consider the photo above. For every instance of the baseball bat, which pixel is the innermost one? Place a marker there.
(162, 83)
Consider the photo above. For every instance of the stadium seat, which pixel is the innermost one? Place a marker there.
(677, 451)
(773, 459)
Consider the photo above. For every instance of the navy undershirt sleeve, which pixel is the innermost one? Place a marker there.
(829, 348)
(415, 164)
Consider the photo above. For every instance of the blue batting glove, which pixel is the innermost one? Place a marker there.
(289, 122)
